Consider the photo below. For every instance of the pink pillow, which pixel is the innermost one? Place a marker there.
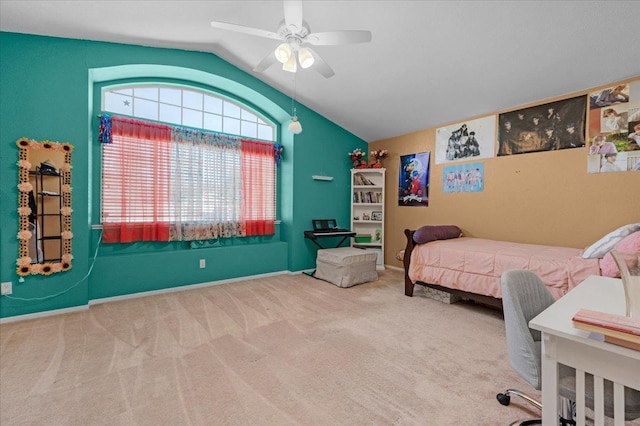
(630, 243)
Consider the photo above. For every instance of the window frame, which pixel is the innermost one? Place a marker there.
(100, 87)
(243, 106)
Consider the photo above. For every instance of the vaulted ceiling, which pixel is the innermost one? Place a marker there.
(429, 63)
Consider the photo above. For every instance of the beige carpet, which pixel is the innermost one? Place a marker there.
(284, 350)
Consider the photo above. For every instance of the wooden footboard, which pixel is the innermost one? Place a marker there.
(406, 260)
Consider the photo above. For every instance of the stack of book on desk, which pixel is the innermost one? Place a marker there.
(616, 329)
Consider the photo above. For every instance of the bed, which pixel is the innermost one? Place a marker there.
(440, 257)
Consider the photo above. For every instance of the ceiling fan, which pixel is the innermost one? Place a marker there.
(296, 36)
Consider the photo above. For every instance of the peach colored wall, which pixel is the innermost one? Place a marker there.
(539, 198)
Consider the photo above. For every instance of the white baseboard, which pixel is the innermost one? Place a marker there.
(150, 293)
(395, 268)
(181, 288)
(44, 314)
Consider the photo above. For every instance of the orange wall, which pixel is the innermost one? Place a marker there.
(539, 198)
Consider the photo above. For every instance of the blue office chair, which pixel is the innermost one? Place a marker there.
(524, 296)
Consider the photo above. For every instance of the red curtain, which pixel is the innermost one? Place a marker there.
(136, 188)
(132, 232)
(258, 187)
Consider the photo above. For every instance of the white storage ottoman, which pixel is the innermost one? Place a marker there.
(346, 266)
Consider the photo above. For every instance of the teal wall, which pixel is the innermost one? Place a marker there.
(47, 88)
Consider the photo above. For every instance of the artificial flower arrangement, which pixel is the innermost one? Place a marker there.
(376, 157)
(357, 156)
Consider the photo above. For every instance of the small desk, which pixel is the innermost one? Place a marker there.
(585, 351)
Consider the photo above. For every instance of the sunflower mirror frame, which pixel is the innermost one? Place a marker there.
(25, 264)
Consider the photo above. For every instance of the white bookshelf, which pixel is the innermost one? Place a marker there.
(367, 210)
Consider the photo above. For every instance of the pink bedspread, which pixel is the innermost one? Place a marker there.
(475, 265)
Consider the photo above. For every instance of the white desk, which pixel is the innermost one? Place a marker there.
(586, 352)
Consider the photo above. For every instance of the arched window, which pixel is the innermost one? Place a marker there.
(182, 164)
(189, 107)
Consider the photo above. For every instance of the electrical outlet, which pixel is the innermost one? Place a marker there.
(6, 288)
(203, 263)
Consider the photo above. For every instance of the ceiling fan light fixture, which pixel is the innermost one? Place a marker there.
(290, 65)
(305, 57)
(295, 127)
(283, 53)
(293, 32)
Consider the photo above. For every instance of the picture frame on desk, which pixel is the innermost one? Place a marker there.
(376, 215)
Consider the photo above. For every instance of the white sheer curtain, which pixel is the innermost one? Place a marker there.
(206, 186)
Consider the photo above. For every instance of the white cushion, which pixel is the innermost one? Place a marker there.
(605, 244)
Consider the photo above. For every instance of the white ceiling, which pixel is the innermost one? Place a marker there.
(429, 63)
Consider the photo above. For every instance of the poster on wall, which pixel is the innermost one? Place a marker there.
(546, 127)
(614, 129)
(463, 178)
(413, 185)
(471, 139)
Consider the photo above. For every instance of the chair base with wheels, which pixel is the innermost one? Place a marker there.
(565, 418)
(505, 399)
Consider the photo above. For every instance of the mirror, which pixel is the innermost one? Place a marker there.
(44, 197)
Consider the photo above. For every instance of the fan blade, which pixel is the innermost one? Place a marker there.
(320, 65)
(338, 37)
(293, 14)
(266, 62)
(245, 30)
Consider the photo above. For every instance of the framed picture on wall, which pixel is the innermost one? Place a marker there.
(463, 178)
(413, 185)
(546, 127)
(467, 140)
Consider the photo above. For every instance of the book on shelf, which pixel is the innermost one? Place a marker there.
(616, 329)
(360, 179)
(367, 197)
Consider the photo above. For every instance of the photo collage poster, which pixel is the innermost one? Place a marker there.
(467, 140)
(413, 185)
(614, 129)
(463, 178)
